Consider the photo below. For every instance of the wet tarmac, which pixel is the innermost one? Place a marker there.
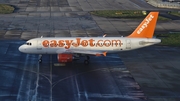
(156, 69)
(24, 79)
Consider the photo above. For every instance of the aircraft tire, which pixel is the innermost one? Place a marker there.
(40, 60)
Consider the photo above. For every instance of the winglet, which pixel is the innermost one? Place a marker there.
(104, 53)
(147, 27)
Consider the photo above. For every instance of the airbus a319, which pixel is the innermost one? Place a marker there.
(70, 48)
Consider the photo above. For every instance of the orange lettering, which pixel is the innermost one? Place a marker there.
(77, 43)
(61, 43)
(116, 42)
(99, 43)
(107, 43)
(84, 43)
(68, 43)
(91, 42)
(53, 43)
(45, 43)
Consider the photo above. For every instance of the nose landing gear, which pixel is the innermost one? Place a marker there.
(40, 58)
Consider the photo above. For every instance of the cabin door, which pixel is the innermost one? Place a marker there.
(39, 45)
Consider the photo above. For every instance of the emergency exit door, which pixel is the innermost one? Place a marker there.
(128, 44)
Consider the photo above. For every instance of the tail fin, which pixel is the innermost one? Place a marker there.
(147, 27)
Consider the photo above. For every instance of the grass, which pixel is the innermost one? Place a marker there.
(118, 13)
(162, 18)
(6, 9)
(122, 14)
(176, 13)
(171, 39)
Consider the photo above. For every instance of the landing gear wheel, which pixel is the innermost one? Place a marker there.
(86, 62)
(40, 60)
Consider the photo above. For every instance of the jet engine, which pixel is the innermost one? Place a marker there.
(63, 58)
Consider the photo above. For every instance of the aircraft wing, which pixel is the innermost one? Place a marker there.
(90, 52)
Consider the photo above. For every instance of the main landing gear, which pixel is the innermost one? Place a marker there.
(86, 62)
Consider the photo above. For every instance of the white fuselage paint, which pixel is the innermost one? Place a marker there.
(125, 44)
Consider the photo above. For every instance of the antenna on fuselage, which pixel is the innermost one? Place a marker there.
(104, 35)
(41, 36)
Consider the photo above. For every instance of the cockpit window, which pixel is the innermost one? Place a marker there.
(28, 43)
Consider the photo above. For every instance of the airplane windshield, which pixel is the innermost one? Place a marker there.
(28, 43)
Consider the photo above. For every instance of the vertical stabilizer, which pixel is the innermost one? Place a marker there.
(147, 27)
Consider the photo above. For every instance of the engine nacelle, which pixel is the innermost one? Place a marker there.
(63, 58)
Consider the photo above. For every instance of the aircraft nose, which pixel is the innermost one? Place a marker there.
(21, 49)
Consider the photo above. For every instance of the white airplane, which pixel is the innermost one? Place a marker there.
(70, 48)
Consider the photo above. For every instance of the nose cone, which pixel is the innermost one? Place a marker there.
(22, 49)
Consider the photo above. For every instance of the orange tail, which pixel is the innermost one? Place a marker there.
(147, 27)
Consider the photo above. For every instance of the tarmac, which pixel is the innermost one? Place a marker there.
(146, 74)
(156, 69)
